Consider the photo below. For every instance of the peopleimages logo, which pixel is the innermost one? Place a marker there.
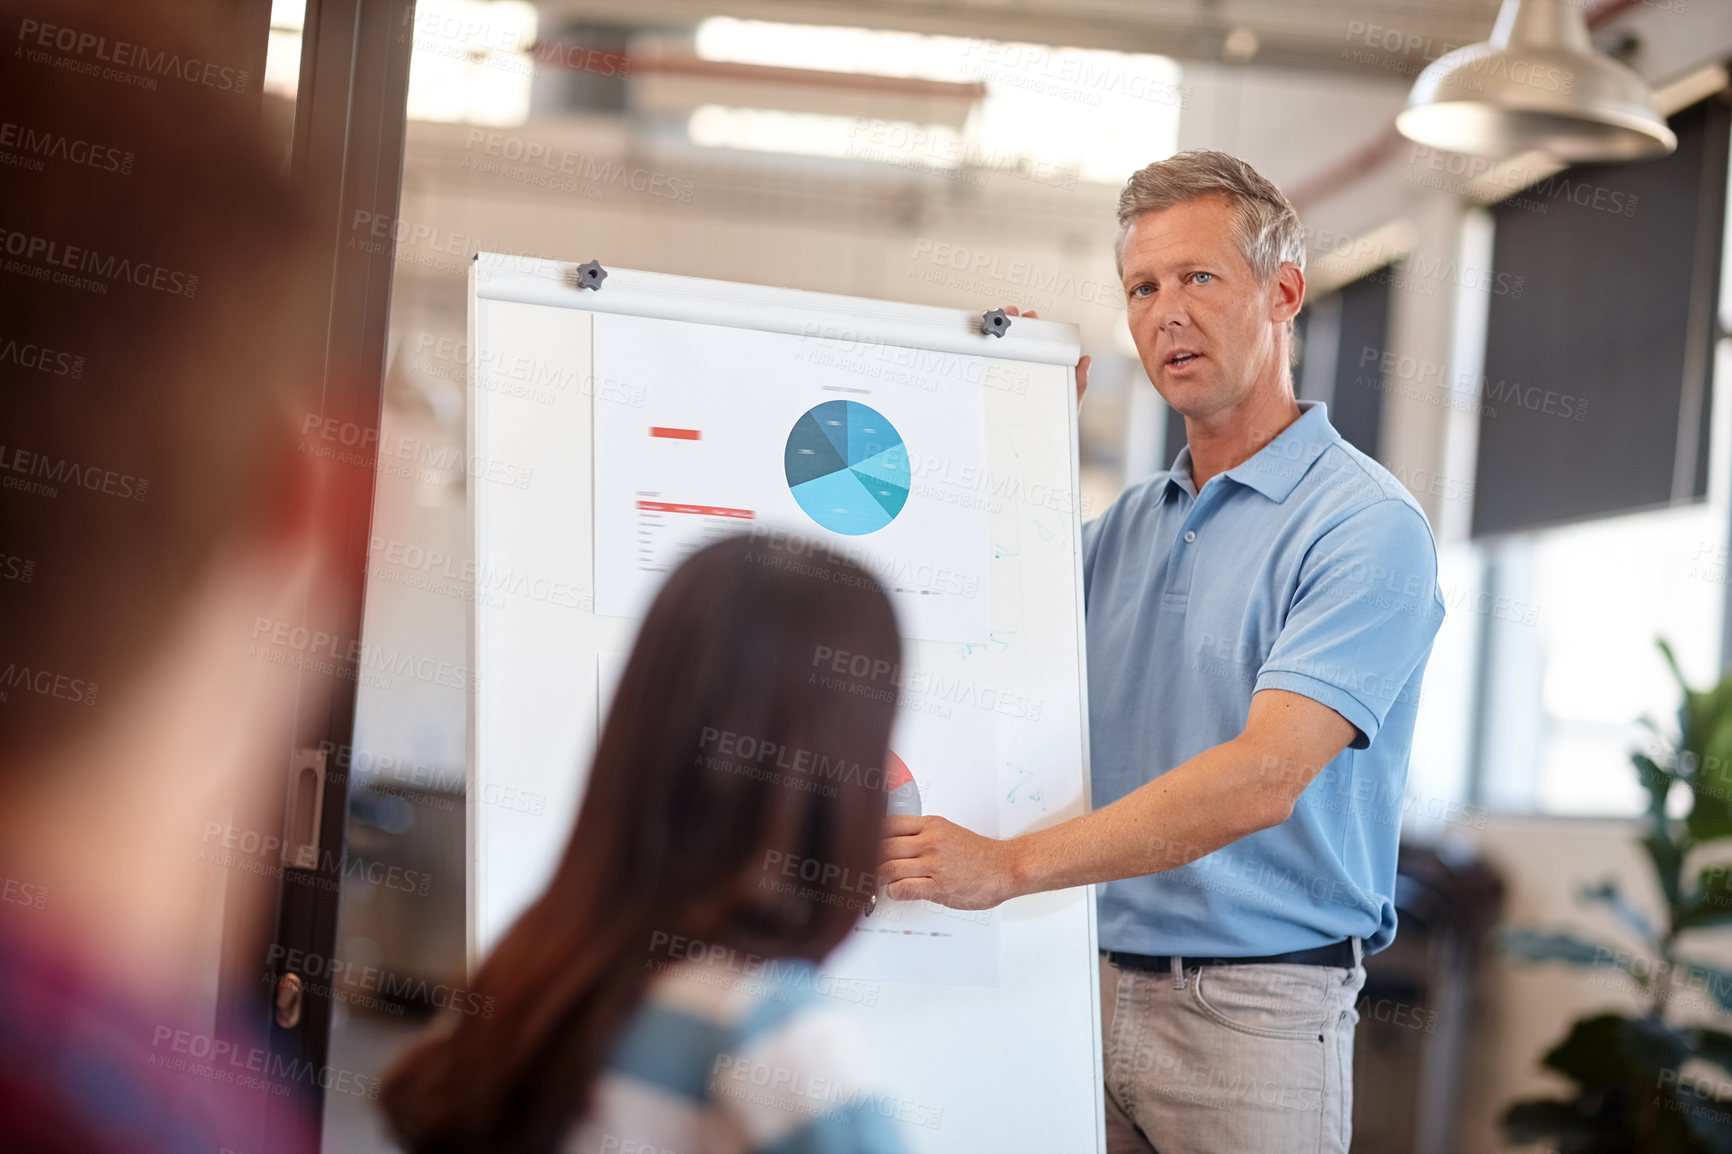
(396, 988)
(35, 145)
(53, 471)
(41, 359)
(92, 263)
(47, 683)
(250, 1067)
(564, 162)
(34, 34)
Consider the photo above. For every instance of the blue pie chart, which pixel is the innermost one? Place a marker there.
(847, 467)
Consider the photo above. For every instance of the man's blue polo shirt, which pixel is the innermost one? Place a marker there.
(1307, 568)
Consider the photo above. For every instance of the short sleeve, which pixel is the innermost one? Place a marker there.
(805, 1086)
(1364, 613)
(1091, 541)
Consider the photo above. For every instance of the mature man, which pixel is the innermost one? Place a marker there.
(1259, 618)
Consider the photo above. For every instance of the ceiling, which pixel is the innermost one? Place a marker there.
(1370, 37)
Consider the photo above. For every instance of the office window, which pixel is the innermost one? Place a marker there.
(1570, 619)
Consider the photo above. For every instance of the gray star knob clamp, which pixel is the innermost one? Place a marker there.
(590, 274)
(994, 323)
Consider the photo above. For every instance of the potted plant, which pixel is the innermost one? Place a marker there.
(1633, 1094)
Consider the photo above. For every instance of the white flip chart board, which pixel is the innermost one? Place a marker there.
(614, 429)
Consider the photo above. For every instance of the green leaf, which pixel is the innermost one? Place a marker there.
(1668, 860)
(1608, 894)
(1685, 1122)
(1704, 724)
(1611, 1051)
(1712, 1045)
(1672, 664)
(1632, 1093)
(1551, 1121)
(1548, 946)
(1711, 980)
(1716, 741)
(1663, 1120)
(1710, 815)
(1707, 1120)
(1710, 904)
(1657, 781)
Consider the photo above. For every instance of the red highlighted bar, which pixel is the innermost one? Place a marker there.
(701, 510)
(676, 434)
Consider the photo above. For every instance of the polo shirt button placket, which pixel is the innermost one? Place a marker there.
(1179, 566)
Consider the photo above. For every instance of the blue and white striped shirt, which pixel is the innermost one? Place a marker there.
(716, 1062)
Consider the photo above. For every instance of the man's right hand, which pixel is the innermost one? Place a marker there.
(933, 859)
(1082, 366)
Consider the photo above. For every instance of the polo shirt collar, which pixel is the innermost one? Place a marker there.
(1276, 468)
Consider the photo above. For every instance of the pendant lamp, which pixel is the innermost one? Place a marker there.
(1538, 83)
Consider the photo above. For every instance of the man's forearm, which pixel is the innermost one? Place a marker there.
(1212, 800)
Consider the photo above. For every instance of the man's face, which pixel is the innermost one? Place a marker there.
(1206, 330)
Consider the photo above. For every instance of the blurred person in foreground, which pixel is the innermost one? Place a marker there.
(659, 994)
(1259, 618)
(155, 506)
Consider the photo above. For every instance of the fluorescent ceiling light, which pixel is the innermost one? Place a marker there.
(1049, 111)
(471, 61)
(808, 134)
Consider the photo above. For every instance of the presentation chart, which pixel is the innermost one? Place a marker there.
(668, 530)
(827, 460)
(847, 467)
(943, 765)
(940, 458)
(904, 790)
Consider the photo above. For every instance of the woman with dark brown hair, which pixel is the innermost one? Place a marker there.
(659, 996)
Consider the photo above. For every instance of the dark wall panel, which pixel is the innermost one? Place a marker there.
(1603, 286)
(1356, 405)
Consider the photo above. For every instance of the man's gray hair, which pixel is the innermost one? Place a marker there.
(1269, 233)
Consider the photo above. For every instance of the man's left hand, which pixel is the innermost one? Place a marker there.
(934, 859)
(1082, 366)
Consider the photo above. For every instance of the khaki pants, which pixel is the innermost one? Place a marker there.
(1253, 1059)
